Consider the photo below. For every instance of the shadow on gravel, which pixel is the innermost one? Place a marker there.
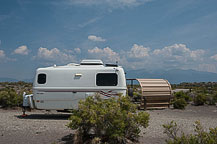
(45, 116)
(68, 139)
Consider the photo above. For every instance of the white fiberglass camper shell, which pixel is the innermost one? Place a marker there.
(61, 87)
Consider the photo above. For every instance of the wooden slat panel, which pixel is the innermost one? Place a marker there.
(155, 89)
(157, 107)
(163, 103)
(154, 85)
(149, 79)
(156, 93)
(157, 98)
(158, 101)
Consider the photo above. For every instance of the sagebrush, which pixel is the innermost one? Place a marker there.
(107, 120)
(199, 137)
(181, 100)
(9, 98)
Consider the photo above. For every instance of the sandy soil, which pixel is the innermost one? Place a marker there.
(50, 127)
(185, 119)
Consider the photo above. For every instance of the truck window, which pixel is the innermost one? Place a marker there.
(106, 79)
(41, 78)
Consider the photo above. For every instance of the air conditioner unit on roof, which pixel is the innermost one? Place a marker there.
(91, 62)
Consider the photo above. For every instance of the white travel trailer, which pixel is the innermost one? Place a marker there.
(61, 87)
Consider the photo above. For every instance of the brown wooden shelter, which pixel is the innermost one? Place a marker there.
(155, 93)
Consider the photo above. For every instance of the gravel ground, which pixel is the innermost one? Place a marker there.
(43, 127)
(185, 119)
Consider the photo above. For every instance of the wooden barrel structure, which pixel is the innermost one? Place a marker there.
(155, 93)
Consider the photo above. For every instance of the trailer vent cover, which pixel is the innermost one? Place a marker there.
(91, 62)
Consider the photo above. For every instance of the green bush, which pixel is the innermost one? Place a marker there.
(179, 103)
(200, 99)
(210, 100)
(215, 97)
(9, 98)
(200, 136)
(184, 95)
(107, 121)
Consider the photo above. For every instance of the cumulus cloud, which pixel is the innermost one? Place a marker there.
(4, 58)
(196, 55)
(214, 57)
(179, 53)
(106, 54)
(73, 51)
(173, 56)
(22, 50)
(138, 51)
(95, 38)
(54, 55)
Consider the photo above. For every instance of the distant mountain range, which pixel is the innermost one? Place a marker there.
(173, 76)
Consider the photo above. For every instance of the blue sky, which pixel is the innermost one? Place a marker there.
(139, 34)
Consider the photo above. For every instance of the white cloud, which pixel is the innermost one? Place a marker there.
(196, 55)
(90, 21)
(95, 38)
(179, 53)
(77, 50)
(106, 54)
(72, 51)
(214, 57)
(136, 58)
(138, 51)
(54, 55)
(2, 54)
(4, 58)
(174, 56)
(22, 50)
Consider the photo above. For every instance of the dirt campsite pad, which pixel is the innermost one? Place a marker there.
(50, 127)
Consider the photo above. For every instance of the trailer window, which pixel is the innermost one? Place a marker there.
(106, 79)
(41, 78)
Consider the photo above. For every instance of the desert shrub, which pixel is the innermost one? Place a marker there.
(200, 136)
(107, 121)
(9, 98)
(184, 95)
(179, 103)
(210, 100)
(200, 99)
(215, 97)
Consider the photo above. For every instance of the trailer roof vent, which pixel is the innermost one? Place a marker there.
(91, 62)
